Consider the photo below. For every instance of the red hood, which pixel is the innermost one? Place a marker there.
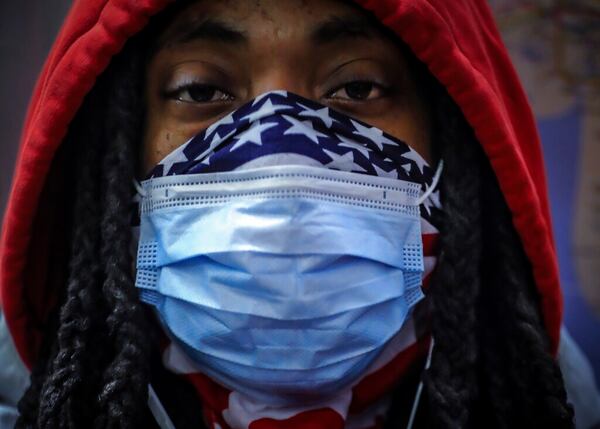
(457, 39)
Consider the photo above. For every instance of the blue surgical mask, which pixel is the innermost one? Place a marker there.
(282, 282)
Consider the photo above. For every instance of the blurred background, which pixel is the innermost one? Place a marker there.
(27, 31)
(555, 45)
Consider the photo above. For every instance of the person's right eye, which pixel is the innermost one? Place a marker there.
(198, 93)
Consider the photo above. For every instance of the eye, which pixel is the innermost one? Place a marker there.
(359, 90)
(199, 93)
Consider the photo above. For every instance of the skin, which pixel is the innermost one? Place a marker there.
(201, 72)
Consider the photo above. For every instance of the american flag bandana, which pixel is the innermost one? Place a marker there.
(281, 128)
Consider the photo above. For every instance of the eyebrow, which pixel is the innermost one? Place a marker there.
(334, 29)
(210, 29)
(338, 28)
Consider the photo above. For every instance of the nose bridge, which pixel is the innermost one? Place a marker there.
(282, 72)
(279, 79)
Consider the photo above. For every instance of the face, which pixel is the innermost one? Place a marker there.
(216, 56)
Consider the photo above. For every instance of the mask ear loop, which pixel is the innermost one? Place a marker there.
(434, 183)
(415, 406)
(158, 411)
(141, 193)
(139, 188)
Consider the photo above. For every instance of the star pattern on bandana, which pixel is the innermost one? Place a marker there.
(219, 124)
(253, 135)
(177, 157)
(269, 94)
(215, 141)
(206, 161)
(344, 142)
(343, 162)
(416, 158)
(373, 133)
(322, 114)
(393, 173)
(303, 128)
(265, 110)
(279, 122)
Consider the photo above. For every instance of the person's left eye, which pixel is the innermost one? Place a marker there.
(358, 90)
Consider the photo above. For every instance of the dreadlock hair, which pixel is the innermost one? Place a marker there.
(491, 365)
(101, 349)
(98, 355)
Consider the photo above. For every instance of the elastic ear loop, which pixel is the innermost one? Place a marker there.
(415, 406)
(434, 183)
(422, 198)
(158, 411)
(138, 187)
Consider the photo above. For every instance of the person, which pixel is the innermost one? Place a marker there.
(342, 221)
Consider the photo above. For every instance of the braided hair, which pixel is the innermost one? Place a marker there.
(491, 366)
(98, 368)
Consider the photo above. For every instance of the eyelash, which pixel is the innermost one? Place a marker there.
(176, 93)
(385, 89)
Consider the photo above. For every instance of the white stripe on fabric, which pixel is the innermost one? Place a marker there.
(429, 264)
(242, 411)
(427, 228)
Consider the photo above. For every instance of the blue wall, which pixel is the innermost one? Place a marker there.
(561, 139)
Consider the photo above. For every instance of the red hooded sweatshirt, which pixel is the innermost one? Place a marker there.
(457, 40)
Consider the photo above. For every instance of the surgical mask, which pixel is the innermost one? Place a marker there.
(283, 282)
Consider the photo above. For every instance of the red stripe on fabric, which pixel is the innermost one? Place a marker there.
(430, 244)
(379, 383)
(425, 284)
(323, 418)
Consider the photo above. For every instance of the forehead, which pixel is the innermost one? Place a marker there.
(249, 21)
